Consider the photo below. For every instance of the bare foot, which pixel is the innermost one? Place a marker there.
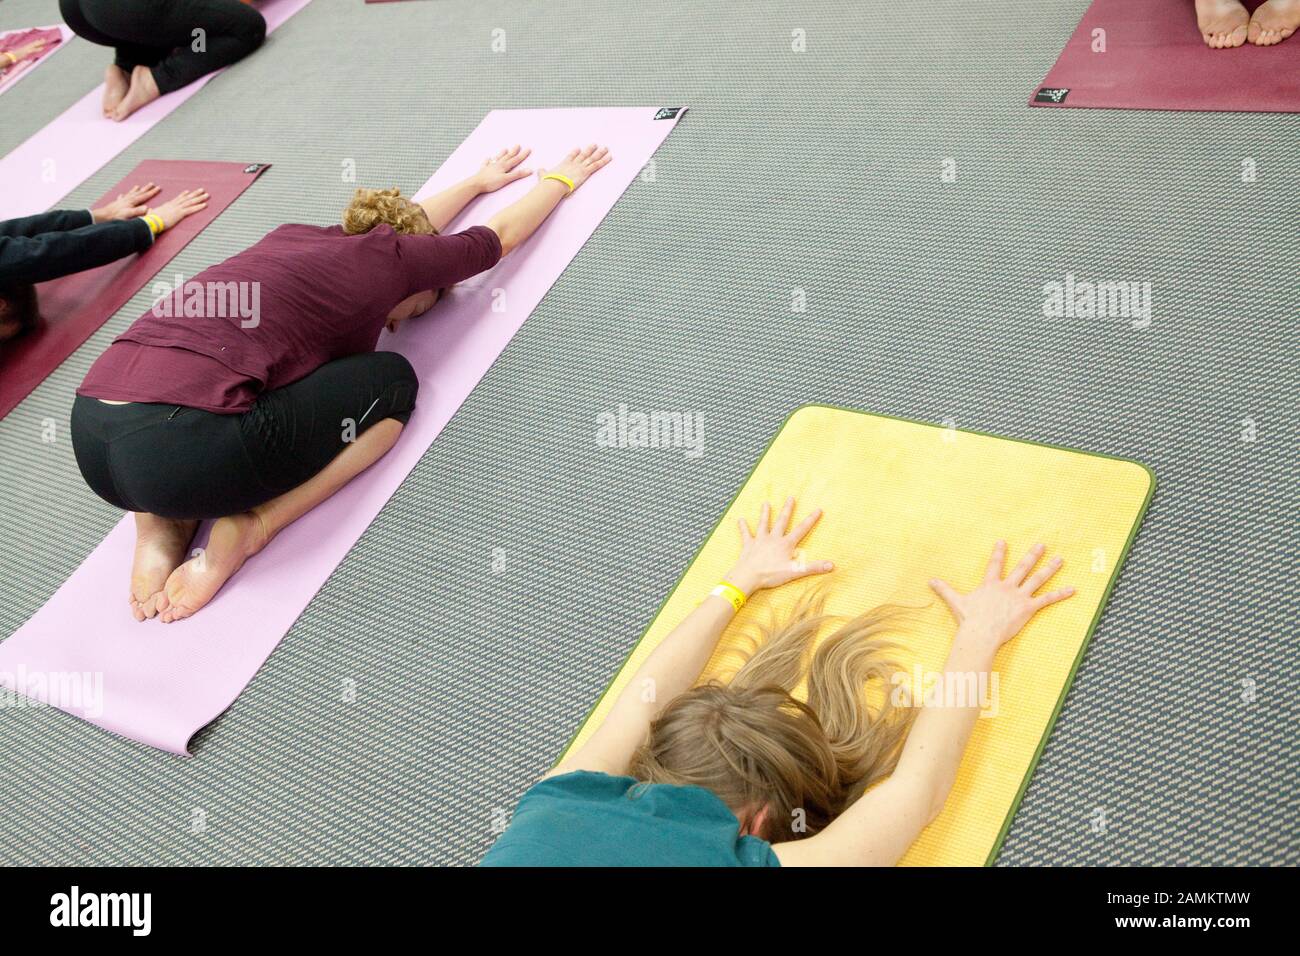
(233, 541)
(1223, 23)
(160, 545)
(1274, 21)
(116, 83)
(142, 90)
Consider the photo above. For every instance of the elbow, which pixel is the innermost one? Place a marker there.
(506, 240)
(938, 798)
(936, 808)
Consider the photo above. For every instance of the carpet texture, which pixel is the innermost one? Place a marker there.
(871, 164)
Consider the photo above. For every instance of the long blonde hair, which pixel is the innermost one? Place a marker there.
(754, 744)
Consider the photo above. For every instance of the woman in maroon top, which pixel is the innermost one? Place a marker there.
(254, 392)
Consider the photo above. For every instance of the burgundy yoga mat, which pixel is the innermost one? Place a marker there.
(1149, 55)
(55, 38)
(73, 307)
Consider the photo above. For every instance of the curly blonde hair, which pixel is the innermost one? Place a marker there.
(374, 207)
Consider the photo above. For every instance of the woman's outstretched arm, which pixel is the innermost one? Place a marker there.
(880, 827)
(497, 171)
(767, 559)
(520, 220)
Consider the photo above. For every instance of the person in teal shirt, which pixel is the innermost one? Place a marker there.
(596, 819)
(744, 773)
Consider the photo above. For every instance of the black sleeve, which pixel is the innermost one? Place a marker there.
(54, 254)
(56, 220)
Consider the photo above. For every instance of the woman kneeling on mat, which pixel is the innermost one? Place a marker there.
(162, 45)
(744, 773)
(254, 415)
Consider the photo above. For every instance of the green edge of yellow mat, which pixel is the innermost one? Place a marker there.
(976, 559)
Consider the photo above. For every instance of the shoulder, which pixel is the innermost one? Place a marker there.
(589, 784)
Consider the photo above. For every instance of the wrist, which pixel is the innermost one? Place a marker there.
(976, 640)
(744, 579)
(557, 186)
(99, 215)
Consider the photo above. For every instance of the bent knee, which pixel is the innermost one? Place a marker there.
(403, 387)
(252, 28)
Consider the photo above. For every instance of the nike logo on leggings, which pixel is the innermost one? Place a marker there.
(367, 411)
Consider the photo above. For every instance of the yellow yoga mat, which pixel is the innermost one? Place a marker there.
(907, 501)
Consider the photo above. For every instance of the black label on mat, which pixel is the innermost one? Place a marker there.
(1052, 94)
(668, 112)
(254, 167)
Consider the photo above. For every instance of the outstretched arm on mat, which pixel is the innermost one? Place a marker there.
(497, 171)
(68, 243)
(767, 560)
(880, 827)
(520, 219)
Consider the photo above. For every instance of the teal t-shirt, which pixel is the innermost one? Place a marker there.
(594, 819)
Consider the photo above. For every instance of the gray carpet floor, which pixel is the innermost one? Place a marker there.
(421, 692)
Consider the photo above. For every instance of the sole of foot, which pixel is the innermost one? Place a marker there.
(191, 586)
(142, 91)
(160, 545)
(1223, 23)
(116, 83)
(1274, 21)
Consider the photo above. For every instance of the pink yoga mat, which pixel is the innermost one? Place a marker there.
(160, 683)
(75, 306)
(56, 38)
(1155, 59)
(78, 143)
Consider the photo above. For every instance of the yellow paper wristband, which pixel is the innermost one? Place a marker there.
(729, 592)
(155, 223)
(560, 178)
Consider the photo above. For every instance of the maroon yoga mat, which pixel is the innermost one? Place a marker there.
(74, 306)
(1155, 59)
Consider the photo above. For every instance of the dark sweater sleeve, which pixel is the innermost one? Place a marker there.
(56, 220)
(50, 255)
(439, 261)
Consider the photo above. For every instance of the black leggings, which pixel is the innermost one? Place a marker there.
(159, 34)
(181, 462)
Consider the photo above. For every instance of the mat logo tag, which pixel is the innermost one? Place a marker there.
(1106, 299)
(668, 112)
(254, 167)
(74, 908)
(1052, 94)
